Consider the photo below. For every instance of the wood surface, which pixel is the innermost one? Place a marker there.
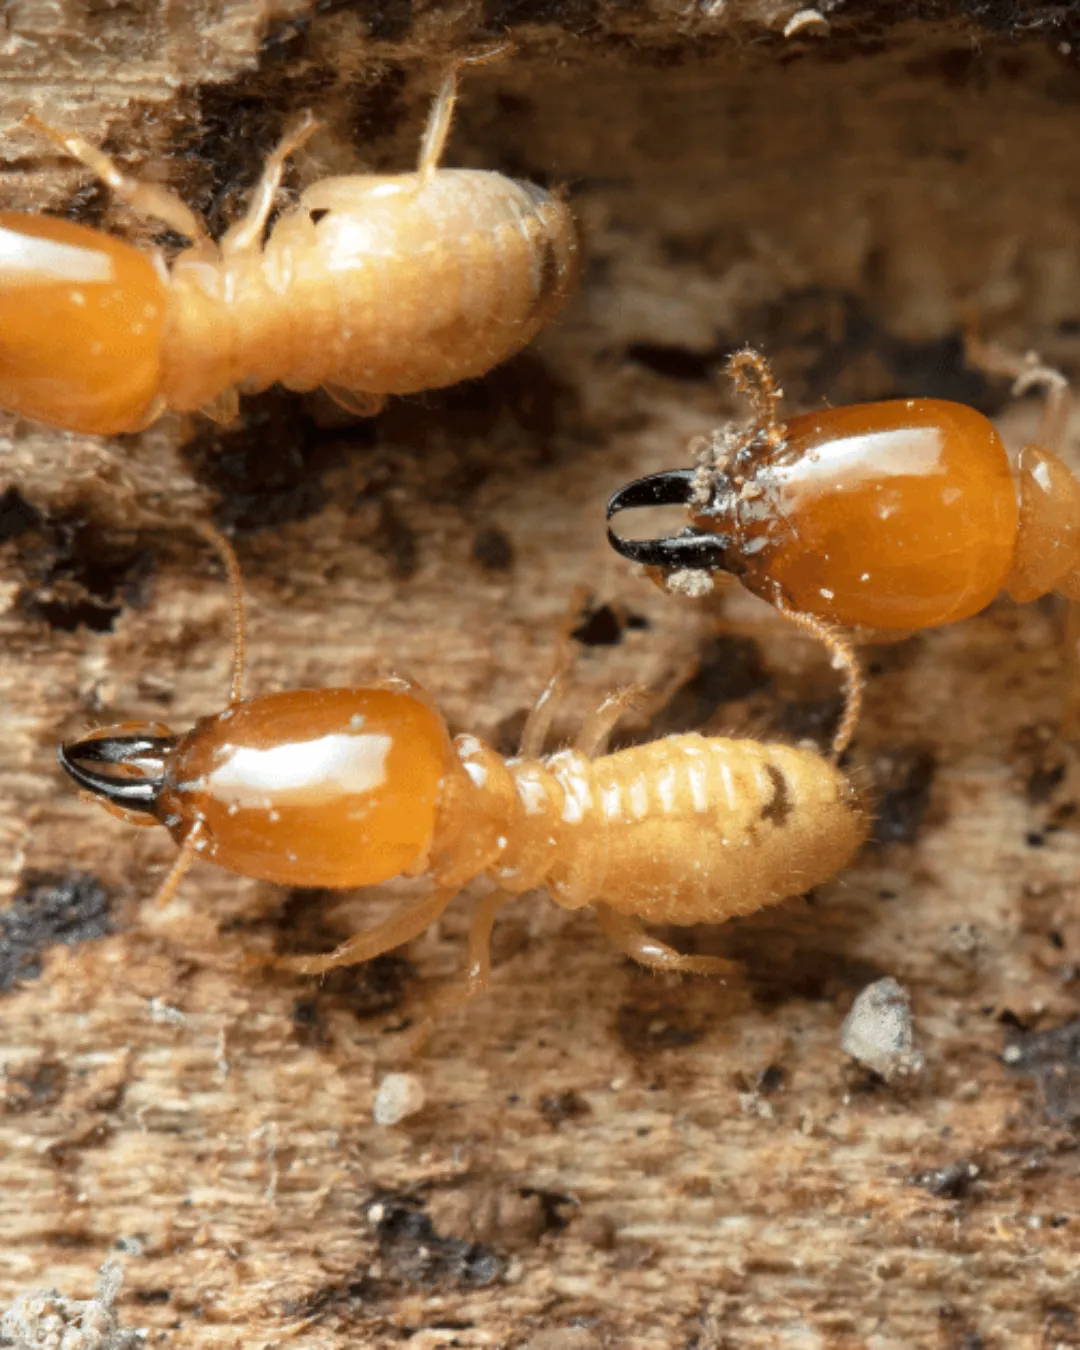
(605, 1158)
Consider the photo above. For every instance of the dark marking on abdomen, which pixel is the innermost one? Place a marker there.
(779, 806)
(549, 274)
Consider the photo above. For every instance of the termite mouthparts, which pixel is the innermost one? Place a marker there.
(689, 548)
(119, 788)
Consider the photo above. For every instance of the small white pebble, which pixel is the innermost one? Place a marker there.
(879, 1032)
(400, 1095)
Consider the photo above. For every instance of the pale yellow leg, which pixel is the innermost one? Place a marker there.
(442, 110)
(844, 659)
(1026, 372)
(355, 401)
(595, 733)
(148, 199)
(632, 940)
(538, 723)
(592, 739)
(396, 931)
(222, 409)
(477, 970)
(478, 958)
(247, 234)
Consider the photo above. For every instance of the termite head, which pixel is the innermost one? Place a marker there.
(82, 316)
(122, 767)
(305, 787)
(698, 549)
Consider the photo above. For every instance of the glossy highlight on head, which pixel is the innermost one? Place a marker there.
(81, 322)
(329, 787)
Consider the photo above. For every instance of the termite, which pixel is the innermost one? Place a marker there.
(892, 516)
(371, 285)
(351, 787)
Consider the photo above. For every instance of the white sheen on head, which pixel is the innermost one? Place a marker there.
(25, 255)
(301, 773)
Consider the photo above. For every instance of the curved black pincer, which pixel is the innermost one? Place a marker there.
(689, 549)
(146, 754)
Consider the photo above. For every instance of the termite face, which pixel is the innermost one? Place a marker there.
(335, 787)
(81, 319)
(894, 515)
(897, 515)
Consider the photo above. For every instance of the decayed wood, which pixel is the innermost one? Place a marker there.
(604, 1158)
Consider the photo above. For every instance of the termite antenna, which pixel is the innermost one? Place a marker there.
(179, 870)
(227, 554)
(844, 659)
(753, 377)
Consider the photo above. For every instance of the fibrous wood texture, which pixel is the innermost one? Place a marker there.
(604, 1158)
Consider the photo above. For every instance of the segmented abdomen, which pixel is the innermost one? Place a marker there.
(378, 285)
(695, 829)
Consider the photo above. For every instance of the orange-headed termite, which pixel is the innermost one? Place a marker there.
(352, 787)
(891, 516)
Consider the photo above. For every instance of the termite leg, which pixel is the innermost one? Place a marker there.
(538, 723)
(1026, 372)
(355, 401)
(442, 110)
(596, 730)
(148, 199)
(478, 960)
(247, 234)
(844, 659)
(477, 969)
(395, 932)
(592, 740)
(632, 940)
(223, 408)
